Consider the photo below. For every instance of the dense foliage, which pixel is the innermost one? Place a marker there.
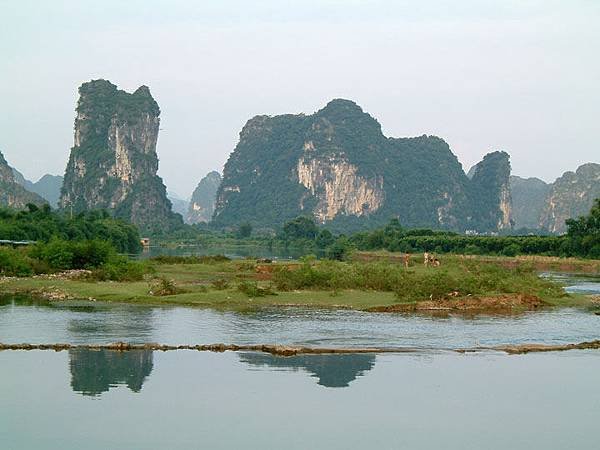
(461, 276)
(422, 181)
(43, 224)
(98, 258)
(584, 233)
(103, 111)
(582, 240)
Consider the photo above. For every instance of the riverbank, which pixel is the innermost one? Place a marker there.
(470, 284)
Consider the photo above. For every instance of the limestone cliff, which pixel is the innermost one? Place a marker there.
(491, 196)
(13, 194)
(571, 196)
(202, 205)
(528, 200)
(113, 163)
(337, 166)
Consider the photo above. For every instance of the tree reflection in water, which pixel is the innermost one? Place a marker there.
(331, 370)
(96, 371)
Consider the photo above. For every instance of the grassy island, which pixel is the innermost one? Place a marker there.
(376, 282)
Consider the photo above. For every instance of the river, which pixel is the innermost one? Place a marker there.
(186, 399)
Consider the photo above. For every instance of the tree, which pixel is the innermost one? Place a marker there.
(584, 233)
(324, 239)
(301, 227)
(244, 230)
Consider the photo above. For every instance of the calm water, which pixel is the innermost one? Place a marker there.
(85, 322)
(185, 399)
(188, 400)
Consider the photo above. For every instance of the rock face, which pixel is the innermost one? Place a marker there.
(571, 195)
(491, 196)
(202, 205)
(13, 194)
(337, 166)
(48, 187)
(113, 163)
(528, 200)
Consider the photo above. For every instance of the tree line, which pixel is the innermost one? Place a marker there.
(581, 240)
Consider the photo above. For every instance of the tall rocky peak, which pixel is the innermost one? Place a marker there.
(528, 201)
(12, 193)
(490, 182)
(572, 195)
(337, 166)
(113, 163)
(202, 205)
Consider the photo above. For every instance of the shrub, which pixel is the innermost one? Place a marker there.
(122, 269)
(15, 263)
(253, 290)
(163, 286)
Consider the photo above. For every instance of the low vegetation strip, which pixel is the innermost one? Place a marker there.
(458, 284)
(282, 350)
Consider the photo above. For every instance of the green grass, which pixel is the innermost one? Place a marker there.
(331, 284)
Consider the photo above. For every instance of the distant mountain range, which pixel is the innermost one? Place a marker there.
(539, 205)
(12, 193)
(48, 187)
(334, 165)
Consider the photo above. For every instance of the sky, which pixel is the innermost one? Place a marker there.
(516, 75)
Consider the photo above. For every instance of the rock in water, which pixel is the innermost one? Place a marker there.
(571, 196)
(113, 163)
(337, 166)
(12, 193)
(204, 197)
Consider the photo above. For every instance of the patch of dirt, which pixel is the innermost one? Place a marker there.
(265, 271)
(504, 302)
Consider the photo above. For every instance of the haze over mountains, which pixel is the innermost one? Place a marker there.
(334, 165)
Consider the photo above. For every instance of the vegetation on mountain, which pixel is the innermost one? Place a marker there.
(338, 167)
(13, 194)
(571, 196)
(202, 204)
(113, 164)
(48, 187)
(528, 200)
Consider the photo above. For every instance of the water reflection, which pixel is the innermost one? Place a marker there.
(129, 324)
(331, 370)
(95, 372)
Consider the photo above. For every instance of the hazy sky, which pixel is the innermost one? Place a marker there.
(521, 76)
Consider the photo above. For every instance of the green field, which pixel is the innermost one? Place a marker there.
(376, 282)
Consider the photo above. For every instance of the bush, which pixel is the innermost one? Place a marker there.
(66, 255)
(253, 290)
(121, 269)
(15, 263)
(162, 286)
(340, 250)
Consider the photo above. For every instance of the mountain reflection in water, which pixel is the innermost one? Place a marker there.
(331, 370)
(94, 372)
